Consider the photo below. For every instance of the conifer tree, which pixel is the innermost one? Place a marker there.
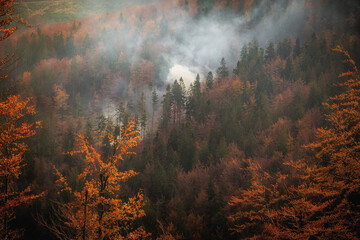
(270, 52)
(154, 99)
(222, 72)
(209, 81)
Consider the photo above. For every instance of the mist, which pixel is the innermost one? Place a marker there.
(192, 45)
(199, 44)
(163, 41)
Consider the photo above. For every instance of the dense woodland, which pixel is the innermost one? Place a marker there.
(97, 143)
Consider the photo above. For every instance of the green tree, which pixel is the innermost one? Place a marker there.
(187, 148)
(178, 101)
(270, 52)
(142, 113)
(209, 81)
(222, 72)
(297, 48)
(166, 109)
(154, 100)
(204, 7)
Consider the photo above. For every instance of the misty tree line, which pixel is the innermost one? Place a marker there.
(200, 143)
(265, 110)
(270, 95)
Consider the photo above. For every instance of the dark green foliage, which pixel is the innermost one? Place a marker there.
(221, 149)
(187, 148)
(270, 52)
(297, 48)
(289, 71)
(186, 5)
(282, 141)
(315, 96)
(154, 101)
(284, 48)
(166, 109)
(59, 44)
(222, 72)
(158, 183)
(297, 106)
(204, 7)
(209, 81)
(263, 117)
(142, 112)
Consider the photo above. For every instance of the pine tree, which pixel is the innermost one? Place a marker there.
(142, 113)
(297, 48)
(204, 7)
(154, 99)
(178, 103)
(270, 52)
(222, 72)
(166, 109)
(209, 81)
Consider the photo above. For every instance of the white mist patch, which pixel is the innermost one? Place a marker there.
(177, 71)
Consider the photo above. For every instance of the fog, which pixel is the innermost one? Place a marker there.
(196, 45)
(175, 42)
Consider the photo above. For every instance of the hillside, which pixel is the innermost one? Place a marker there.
(184, 119)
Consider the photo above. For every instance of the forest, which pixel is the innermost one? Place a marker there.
(179, 119)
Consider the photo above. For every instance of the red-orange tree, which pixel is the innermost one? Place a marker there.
(335, 178)
(14, 129)
(95, 210)
(325, 204)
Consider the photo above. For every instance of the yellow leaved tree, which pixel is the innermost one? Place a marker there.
(95, 209)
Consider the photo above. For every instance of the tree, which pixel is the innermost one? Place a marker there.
(270, 52)
(222, 71)
(142, 113)
(256, 207)
(297, 48)
(322, 202)
(336, 174)
(209, 81)
(204, 7)
(95, 210)
(9, 22)
(289, 71)
(284, 48)
(166, 109)
(154, 99)
(14, 130)
(60, 98)
(178, 101)
(194, 100)
(186, 5)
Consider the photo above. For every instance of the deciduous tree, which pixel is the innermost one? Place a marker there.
(95, 209)
(14, 129)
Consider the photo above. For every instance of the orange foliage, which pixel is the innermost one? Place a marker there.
(255, 206)
(324, 204)
(96, 211)
(13, 131)
(60, 98)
